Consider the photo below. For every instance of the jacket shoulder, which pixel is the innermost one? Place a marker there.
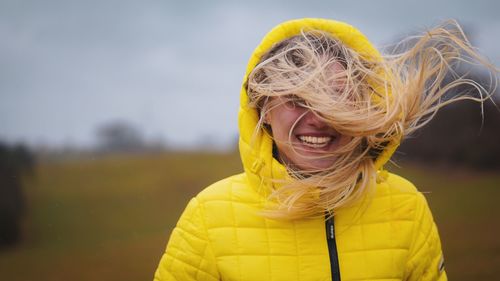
(393, 195)
(392, 185)
(399, 185)
(233, 188)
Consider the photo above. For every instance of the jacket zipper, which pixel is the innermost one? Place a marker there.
(332, 249)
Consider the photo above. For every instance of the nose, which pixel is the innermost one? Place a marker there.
(313, 120)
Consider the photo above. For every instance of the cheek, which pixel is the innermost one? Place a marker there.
(281, 122)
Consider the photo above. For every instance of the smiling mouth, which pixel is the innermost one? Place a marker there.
(315, 142)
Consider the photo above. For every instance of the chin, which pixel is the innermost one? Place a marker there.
(316, 165)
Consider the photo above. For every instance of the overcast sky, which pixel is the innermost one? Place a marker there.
(172, 68)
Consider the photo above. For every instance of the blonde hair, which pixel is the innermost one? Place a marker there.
(381, 101)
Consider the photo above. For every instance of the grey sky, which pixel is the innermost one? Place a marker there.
(173, 68)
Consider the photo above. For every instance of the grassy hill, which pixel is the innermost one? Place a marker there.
(109, 218)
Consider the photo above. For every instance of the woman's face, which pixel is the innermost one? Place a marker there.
(303, 140)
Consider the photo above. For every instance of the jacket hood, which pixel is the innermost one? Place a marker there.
(256, 146)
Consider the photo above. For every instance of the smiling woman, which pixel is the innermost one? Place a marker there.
(321, 113)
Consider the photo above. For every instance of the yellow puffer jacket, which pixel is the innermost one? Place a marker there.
(221, 236)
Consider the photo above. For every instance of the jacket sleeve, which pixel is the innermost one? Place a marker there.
(188, 255)
(426, 262)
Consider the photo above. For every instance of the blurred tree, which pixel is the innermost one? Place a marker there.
(119, 136)
(458, 135)
(15, 162)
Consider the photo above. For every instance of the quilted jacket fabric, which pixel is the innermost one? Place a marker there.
(389, 235)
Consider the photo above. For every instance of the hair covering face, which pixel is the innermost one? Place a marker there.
(256, 146)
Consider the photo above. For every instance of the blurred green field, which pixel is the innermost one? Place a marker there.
(109, 218)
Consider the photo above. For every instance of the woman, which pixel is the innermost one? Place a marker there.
(321, 113)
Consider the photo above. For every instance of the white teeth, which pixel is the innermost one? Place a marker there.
(315, 141)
